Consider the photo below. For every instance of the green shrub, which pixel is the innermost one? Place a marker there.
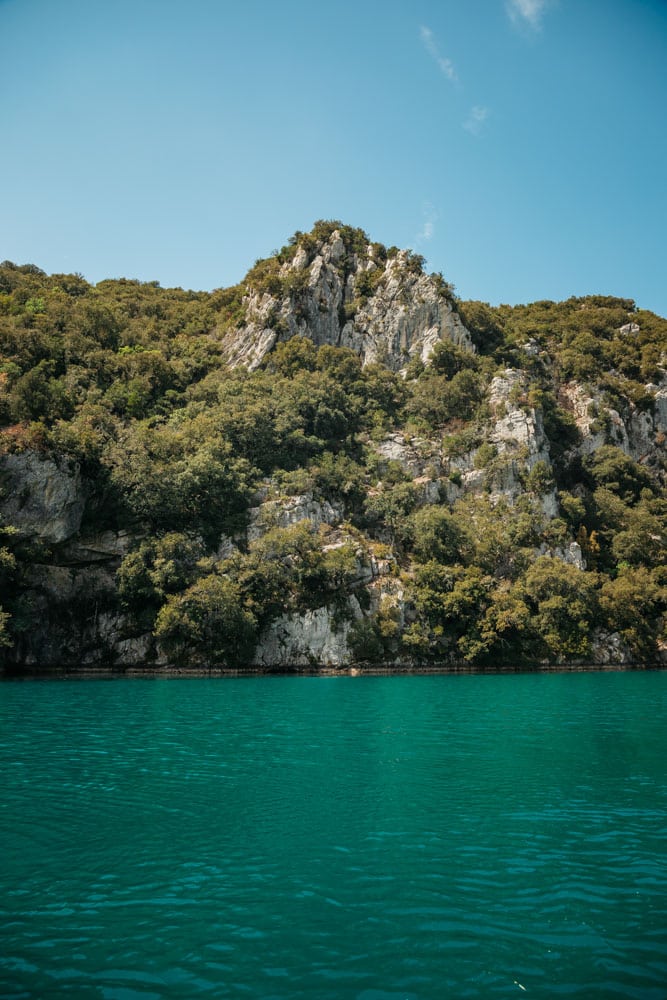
(207, 625)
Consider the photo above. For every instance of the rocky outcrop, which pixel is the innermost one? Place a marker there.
(634, 432)
(41, 498)
(517, 425)
(75, 618)
(386, 311)
(609, 649)
(405, 318)
(313, 637)
(660, 408)
(574, 398)
(415, 455)
(290, 510)
(101, 547)
(571, 554)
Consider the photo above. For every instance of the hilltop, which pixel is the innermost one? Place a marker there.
(336, 462)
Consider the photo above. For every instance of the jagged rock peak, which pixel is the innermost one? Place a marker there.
(334, 286)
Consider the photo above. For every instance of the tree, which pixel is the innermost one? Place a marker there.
(436, 535)
(207, 624)
(564, 607)
(298, 354)
(288, 570)
(389, 509)
(452, 602)
(504, 634)
(612, 468)
(448, 359)
(634, 604)
(540, 479)
(157, 568)
(485, 324)
(175, 483)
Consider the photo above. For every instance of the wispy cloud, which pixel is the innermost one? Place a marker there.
(445, 65)
(528, 12)
(427, 231)
(475, 120)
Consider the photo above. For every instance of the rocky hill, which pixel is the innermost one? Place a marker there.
(336, 463)
(336, 288)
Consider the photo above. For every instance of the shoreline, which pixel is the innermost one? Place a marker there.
(390, 670)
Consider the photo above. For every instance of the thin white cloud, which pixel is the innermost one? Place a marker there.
(427, 231)
(475, 120)
(528, 12)
(445, 65)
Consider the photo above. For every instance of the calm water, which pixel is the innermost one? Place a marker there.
(370, 838)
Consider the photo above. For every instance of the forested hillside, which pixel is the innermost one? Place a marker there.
(335, 462)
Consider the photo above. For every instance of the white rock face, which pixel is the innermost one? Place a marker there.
(367, 567)
(307, 639)
(518, 434)
(404, 317)
(70, 601)
(531, 348)
(661, 410)
(575, 398)
(516, 427)
(473, 481)
(391, 330)
(636, 435)
(427, 490)
(572, 554)
(226, 547)
(41, 498)
(67, 584)
(290, 510)
(549, 504)
(388, 595)
(641, 434)
(414, 455)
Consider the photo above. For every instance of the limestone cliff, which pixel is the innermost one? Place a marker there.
(72, 592)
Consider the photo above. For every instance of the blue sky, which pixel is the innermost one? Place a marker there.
(519, 145)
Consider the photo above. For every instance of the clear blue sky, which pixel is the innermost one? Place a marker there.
(519, 145)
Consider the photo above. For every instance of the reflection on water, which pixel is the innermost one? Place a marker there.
(408, 837)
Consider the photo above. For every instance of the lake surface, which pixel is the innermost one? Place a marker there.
(369, 837)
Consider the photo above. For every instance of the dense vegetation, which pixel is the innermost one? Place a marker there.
(129, 380)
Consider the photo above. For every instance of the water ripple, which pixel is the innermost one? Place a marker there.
(369, 838)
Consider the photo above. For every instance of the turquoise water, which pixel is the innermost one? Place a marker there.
(370, 838)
